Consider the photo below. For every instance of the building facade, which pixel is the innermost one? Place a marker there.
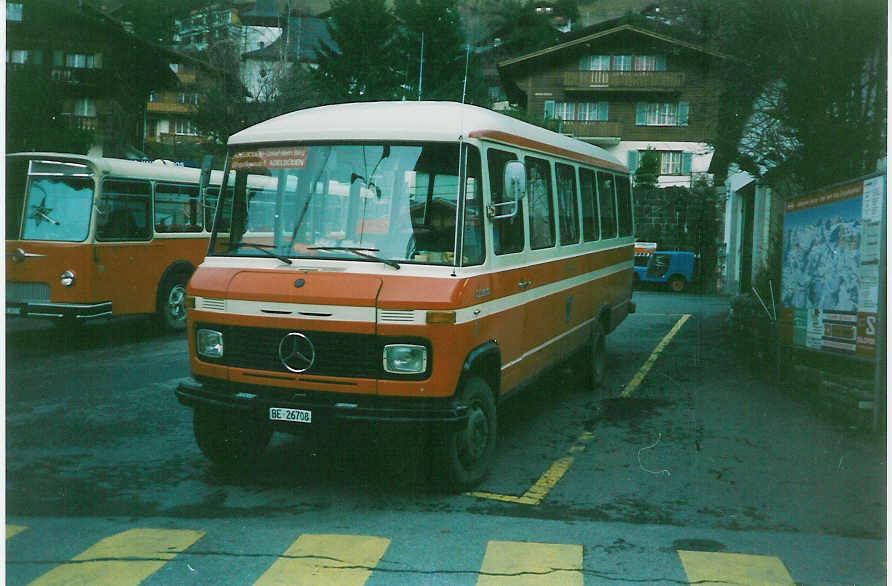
(628, 90)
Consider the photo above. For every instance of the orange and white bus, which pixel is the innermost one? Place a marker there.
(408, 262)
(90, 237)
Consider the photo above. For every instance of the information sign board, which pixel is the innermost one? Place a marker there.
(831, 273)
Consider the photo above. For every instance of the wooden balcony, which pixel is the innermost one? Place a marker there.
(648, 81)
(607, 132)
(81, 122)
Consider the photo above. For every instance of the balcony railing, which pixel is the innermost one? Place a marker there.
(81, 122)
(624, 80)
(592, 130)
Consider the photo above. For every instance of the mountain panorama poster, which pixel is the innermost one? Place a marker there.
(830, 273)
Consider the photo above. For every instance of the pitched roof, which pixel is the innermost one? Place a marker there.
(606, 33)
(305, 34)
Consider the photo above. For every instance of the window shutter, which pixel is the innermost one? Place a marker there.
(632, 158)
(686, 158)
(603, 112)
(683, 109)
(58, 58)
(660, 63)
(549, 109)
(640, 114)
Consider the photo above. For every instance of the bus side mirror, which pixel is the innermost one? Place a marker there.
(515, 182)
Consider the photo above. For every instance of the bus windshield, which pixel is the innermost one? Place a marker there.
(389, 202)
(58, 202)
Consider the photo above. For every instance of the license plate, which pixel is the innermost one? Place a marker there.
(292, 415)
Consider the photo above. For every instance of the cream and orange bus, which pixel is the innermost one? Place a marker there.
(91, 237)
(408, 262)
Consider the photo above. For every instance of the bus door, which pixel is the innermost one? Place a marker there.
(122, 252)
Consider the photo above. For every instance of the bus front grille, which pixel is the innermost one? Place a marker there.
(336, 354)
(25, 291)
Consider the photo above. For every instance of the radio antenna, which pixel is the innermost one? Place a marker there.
(465, 85)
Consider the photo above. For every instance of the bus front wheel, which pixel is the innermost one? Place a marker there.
(172, 302)
(677, 284)
(464, 456)
(232, 444)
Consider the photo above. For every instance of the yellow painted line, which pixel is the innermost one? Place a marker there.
(516, 563)
(645, 368)
(536, 493)
(13, 530)
(126, 558)
(341, 560)
(734, 568)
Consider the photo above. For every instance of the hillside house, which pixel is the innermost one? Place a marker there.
(627, 90)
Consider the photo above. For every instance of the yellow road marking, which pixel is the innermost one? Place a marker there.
(13, 530)
(517, 563)
(734, 568)
(126, 558)
(537, 493)
(345, 560)
(645, 368)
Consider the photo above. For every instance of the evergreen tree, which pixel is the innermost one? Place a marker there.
(648, 170)
(361, 65)
(442, 70)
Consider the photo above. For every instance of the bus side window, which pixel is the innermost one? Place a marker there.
(607, 201)
(591, 230)
(541, 203)
(624, 207)
(507, 235)
(568, 208)
(124, 210)
(177, 208)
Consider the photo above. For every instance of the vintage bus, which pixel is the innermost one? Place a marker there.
(407, 263)
(91, 237)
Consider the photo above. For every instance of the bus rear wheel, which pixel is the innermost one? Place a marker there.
(464, 456)
(172, 302)
(233, 444)
(597, 357)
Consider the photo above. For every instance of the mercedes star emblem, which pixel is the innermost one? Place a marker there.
(296, 352)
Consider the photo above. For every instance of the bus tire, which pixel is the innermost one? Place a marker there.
(233, 444)
(677, 284)
(464, 456)
(597, 356)
(172, 302)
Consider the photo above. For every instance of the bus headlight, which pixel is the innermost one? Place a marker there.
(209, 343)
(67, 278)
(405, 359)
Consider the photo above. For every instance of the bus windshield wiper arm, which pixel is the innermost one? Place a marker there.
(358, 251)
(266, 249)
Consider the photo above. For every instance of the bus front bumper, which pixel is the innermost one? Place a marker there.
(326, 408)
(48, 309)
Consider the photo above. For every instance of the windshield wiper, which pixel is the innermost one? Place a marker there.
(359, 251)
(266, 248)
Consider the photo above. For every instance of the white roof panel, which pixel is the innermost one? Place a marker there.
(407, 121)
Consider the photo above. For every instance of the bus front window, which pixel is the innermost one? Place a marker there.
(58, 203)
(389, 202)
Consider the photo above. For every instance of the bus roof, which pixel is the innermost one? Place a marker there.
(417, 121)
(120, 167)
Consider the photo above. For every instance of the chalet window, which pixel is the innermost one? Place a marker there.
(586, 111)
(662, 114)
(565, 110)
(185, 127)
(78, 60)
(81, 107)
(154, 97)
(16, 57)
(14, 11)
(592, 111)
(622, 63)
(595, 63)
(649, 63)
(671, 162)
